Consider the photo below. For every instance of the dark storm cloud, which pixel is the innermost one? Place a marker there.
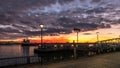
(53, 30)
(32, 33)
(6, 35)
(49, 31)
(70, 24)
(23, 23)
(24, 4)
(9, 30)
(9, 33)
(96, 10)
(81, 25)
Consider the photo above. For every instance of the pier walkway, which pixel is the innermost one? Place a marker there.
(109, 60)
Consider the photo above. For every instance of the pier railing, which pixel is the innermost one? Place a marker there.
(18, 60)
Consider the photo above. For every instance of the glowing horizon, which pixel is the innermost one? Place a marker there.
(84, 37)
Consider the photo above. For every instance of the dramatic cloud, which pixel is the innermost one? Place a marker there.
(21, 18)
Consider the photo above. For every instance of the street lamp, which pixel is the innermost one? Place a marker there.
(41, 27)
(97, 33)
(75, 49)
(77, 31)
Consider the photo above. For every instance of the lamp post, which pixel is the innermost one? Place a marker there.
(97, 33)
(75, 49)
(77, 31)
(41, 27)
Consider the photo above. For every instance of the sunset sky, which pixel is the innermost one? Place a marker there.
(20, 19)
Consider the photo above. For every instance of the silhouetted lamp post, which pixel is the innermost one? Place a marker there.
(41, 27)
(97, 33)
(75, 49)
(77, 31)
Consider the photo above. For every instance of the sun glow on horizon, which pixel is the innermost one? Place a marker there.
(84, 37)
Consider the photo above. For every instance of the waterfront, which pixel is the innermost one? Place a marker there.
(8, 51)
(109, 60)
(12, 55)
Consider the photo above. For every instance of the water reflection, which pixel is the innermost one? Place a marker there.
(16, 51)
(9, 51)
(25, 50)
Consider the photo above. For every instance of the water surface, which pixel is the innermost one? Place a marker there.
(7, 51)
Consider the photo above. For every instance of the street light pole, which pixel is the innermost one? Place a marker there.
(77, 36)
(77, 31)
(41, 27)
(41, 37)
(75, 49)
(97, 36)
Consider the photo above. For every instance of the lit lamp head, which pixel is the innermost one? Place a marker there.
(41, 25)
